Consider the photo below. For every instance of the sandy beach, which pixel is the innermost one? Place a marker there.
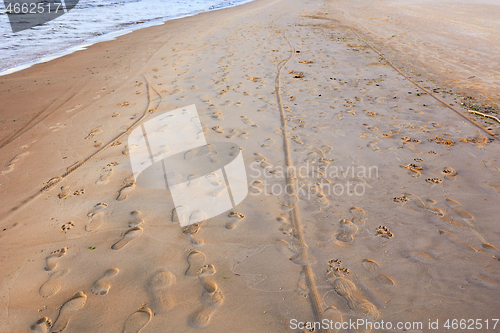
(372, 190)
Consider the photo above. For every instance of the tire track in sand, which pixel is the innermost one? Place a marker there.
(314, 298)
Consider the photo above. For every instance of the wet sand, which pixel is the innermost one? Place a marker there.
(391, 215)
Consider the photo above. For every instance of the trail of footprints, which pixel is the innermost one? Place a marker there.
(211, 297)
(159, 285)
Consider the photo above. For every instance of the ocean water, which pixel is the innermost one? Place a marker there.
(89, 22)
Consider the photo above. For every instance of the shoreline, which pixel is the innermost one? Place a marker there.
(111, 35)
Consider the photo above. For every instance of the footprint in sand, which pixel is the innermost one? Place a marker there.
(289, 201)
(196, 260)
(490, 166)
(414, 168)
(373, 146)
(65, 191)
(449, 173)
(138, 320)
(334, 316)
(354, 299)
(484, 281)
(57, 127)
(136, 220)
(125, 191)
(42, 325)
(68, 310)
(104, 178)
(347, 231)
(130, 235)
(102, 286)
(268, 143)
(93, 133)
(493, 249)
(285, 226)
(159, 288)
(201, 318)
(191, 229)
(53, 285)
(51, 260)
(426, 206)
(179, 212)
(11, 164)
(455, 205)
(97, 208)
(419, 257)
(373, 267)
(293, 251)
(359, 215)
(235, 218)
(452, 238)
(213, 298)
(211, 294)
(218, 129)
(231, 134)
(235, 150)
(97, 217)
(255, 187)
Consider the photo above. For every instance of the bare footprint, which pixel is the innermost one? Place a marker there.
(97, 208)
(97, 217)
(426, 206)
(235, 218)
(125, 191)
(104, 178)
(287, 249)
(137, 219)
(42, 325)
(138, 320)
(347, 231)
(179, 213)
(53, 285)
(359, 215)
(102, 286)
(96, 221)
(68, 310)
(51, 261)
(255, 187)
(159, 289)
(127, 237)
(211, 294)
(196, 260)
(201, 318)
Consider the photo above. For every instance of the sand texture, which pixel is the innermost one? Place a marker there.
(392, 214)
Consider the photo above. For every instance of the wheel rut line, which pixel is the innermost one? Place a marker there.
(314, 298)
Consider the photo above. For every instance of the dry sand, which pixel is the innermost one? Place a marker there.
(412, 241)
